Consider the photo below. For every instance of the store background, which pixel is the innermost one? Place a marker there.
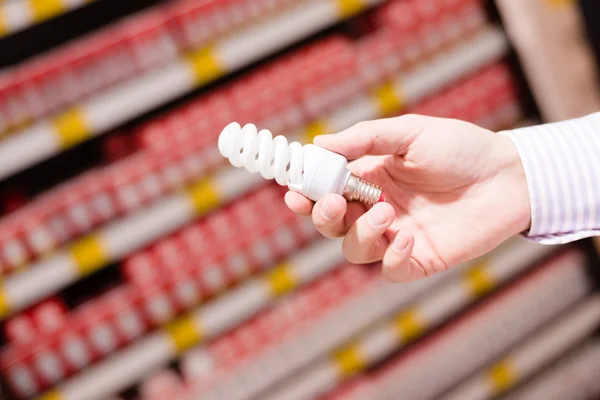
(136, 264)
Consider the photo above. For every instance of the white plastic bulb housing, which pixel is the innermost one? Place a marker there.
(324, 172)
(310, 170)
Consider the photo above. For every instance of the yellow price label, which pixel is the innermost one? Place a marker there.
(71, 128)
(3, 26)
(561, 3)
(89, 255)
(205, 196)
(51, 395)
(409, 326)
(389, 101)
(184, 333)
(479, 280)
(4, 304)
(349, 8)
(315, 129)
(281, 279)
(45, 9)
(205, 65)
(502, 376)
(349, 360)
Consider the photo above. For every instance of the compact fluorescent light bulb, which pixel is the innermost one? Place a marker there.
(309, 170)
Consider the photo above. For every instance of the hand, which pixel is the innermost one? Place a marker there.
(455, 191)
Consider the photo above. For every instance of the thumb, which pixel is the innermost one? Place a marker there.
(378, 137)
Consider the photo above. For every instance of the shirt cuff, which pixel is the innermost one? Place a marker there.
(562, 166)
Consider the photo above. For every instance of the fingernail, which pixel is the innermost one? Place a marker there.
(377, 219)
(327, 211)
(400, 243)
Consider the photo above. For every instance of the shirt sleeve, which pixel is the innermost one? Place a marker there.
(562, 167)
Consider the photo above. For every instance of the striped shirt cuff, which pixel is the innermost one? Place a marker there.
(562, 167)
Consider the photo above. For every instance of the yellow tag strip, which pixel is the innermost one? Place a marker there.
(205, 65)
(71, 128)
(502, 376)
(89, 254)
(45, 9)
(349, 361)
(3, 26)
(315, 129)
(52, 395)
(408, 326)
(281, 279)
(4, 304)
(479, 280)
(184, 333)
(560, 3)
(388, 100)
(205, 196)
(348, 8)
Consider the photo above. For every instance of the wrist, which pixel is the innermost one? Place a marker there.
(511, 166)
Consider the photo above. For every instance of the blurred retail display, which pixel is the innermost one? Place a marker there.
(144, 266)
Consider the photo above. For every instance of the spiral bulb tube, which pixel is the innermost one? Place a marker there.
(274, 158)
(309, 170)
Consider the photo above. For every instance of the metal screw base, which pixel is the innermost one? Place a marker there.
(358, 190)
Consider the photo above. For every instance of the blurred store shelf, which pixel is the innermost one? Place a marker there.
(158, 272)
(164, 281)
(140, 43)
(574, 377)
(143, 93)
(483, 334)
(387, 337)
(158, 348)
(528, 358)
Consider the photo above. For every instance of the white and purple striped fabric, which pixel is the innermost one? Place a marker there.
(562, 167)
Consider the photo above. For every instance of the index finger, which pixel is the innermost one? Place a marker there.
(378, 137)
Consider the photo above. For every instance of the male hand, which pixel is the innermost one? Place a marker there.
(455, 191)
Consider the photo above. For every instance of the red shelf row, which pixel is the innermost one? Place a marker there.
(257, 335)
(157, 289)
(478, 337)
(133, 46)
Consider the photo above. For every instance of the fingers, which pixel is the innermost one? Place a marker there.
(365, 241)
(333, 216)
(397, 265)
(328, 216)
(299, 204)
(366, 236)
(377, 137)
